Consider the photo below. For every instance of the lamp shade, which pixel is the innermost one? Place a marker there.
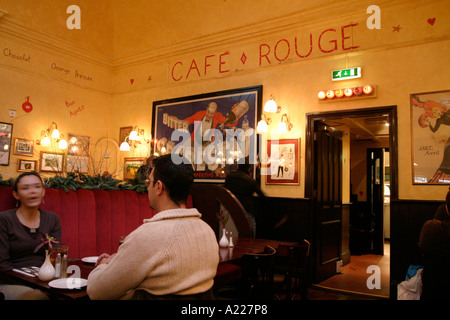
(46, 141)
(270, 106)
(55, 134)
(62, 144)
(282, 127)
(262, 127)
(124, 146)
(133, 135)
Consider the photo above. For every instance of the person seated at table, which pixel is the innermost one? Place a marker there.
(173, 255)
(21, 231)
(144, 171)
(434, 244)
(443, 209)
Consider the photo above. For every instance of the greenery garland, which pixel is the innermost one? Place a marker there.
(75, 180)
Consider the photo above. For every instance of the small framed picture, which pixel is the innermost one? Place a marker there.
(24, 165)
(77, 164)
(23, 147)
(5, 142)
(283, 161)
(123, 133)
(131, 166)
(51, 162)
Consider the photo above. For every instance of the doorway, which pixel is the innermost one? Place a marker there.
(373, 132)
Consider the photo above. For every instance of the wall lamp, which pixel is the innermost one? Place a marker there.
(271, 107)
(51, 134)
(285, 125)
(263, 124)
(135, 137)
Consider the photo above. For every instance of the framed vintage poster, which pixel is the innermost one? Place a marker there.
(24, 165)
(5, 142)
(283, 158)
(123, 133)
(23, 147)
(213, 131)
(430, 132)
(51, 162)
(131, 166)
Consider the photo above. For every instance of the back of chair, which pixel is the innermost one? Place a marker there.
(257, 274)
(291, 261)
(207, 198)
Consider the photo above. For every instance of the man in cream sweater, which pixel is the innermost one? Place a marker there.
(172, 255)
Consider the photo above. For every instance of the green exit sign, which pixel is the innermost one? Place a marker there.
(345, 74)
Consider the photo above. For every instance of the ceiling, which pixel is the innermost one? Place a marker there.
(363, 128)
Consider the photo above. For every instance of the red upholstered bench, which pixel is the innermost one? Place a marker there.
(92, 221)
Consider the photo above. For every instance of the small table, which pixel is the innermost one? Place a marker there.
(246, 245)
(34, 282)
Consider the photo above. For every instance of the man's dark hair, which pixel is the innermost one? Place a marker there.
(177, 178)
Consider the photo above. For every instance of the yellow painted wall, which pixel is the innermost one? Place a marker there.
(138, 60)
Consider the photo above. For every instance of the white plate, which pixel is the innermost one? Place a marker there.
(90, 259)
(68, 283)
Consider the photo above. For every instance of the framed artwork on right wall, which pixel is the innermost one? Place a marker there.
(430, 132)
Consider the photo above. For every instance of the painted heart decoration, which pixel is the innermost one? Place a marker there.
(431, 21)
(131, 81)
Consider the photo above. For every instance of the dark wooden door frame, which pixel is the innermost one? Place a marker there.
(311, 118)
(353, 113)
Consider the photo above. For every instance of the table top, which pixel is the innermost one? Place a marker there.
(247, 245)
(34, 282)
(231, 254)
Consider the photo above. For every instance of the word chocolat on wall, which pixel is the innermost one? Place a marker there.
(328, 41)
(21, 57)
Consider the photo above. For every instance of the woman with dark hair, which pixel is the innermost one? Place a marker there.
(22, 230)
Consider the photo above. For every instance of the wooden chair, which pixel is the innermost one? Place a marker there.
(207, 198)
(257, 274)
(291, 270)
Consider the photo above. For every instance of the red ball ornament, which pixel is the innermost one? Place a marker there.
(357, 91)
(330, 94)
(348, 92)
(368, 89)
(321, 95)
(339, 93)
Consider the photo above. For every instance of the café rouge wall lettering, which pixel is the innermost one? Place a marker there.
(269, 53)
